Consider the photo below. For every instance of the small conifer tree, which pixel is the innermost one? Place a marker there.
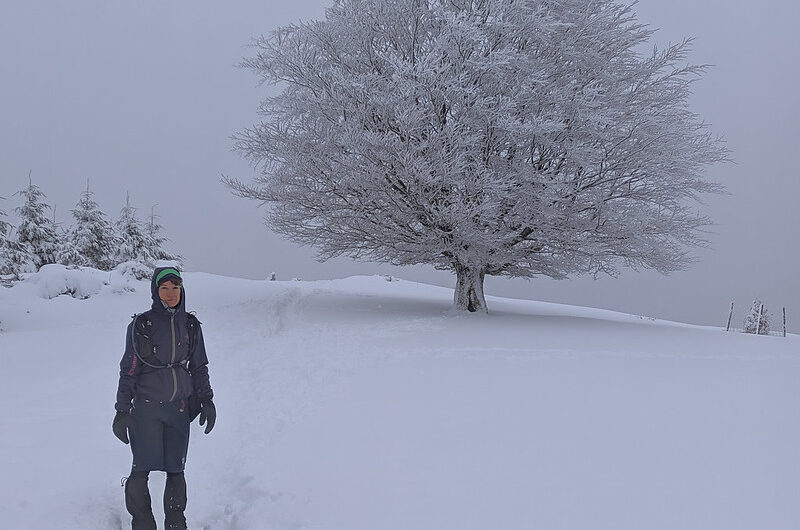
(156, 240)
(91, 240)
(15, 258)
(757, 320)
(5, 230)
(36, 232)
(132, 241)
(5, 227)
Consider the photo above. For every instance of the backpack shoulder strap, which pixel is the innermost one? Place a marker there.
(191, 319)
(193, 326)
(142, 341)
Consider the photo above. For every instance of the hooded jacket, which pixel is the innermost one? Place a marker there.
(182, 365)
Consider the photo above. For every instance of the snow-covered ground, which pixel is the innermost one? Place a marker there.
(367, 404)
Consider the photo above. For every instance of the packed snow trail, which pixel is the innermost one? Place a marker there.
(366, 404)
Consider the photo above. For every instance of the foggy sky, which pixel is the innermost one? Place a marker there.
(144, 98)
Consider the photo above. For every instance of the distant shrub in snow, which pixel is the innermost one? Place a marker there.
(126, 275)
(757, 320)
(134, 270)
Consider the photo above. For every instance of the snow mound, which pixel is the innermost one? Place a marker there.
(81, 283)
(132, 270)
(56, 280)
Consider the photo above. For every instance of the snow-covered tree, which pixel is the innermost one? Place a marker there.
(132, 242)
(36, 232)
(91, 240)
(5, 242)
(757, 320)
(68, 253)
(15, 258)
(497, 137)
(156, 239)
(5, 226)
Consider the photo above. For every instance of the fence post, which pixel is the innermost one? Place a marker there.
(728, 327)
(758, 325)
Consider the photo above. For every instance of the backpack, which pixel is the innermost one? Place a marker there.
(145, 352)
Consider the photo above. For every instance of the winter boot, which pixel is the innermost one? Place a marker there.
(175, 502)
(137, 501)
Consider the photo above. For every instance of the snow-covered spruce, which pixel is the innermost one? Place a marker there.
(15, 258)
(132, 243)
(5, 244)
(5, 227)
(91, 240)
(36, 237)
(156, 240)
(492, 138)
(140, 242)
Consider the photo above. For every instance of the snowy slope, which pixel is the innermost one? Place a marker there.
(367, 404)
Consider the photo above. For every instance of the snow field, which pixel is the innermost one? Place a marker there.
(366, 404)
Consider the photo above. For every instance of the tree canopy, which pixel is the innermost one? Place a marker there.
(483, 137)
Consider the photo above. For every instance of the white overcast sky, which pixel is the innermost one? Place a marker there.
(144, 96)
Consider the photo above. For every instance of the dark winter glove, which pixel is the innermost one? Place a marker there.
(208, 412)
(122, 422)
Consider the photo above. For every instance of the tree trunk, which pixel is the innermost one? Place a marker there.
(469, 289)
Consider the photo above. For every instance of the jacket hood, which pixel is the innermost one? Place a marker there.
(157, 305)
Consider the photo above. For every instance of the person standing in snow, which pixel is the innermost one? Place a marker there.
(163, 385)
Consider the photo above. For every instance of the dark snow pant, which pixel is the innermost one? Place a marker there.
(137, 501)
(160, 435)
(159, 441)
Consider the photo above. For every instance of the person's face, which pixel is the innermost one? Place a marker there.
(169, 293)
